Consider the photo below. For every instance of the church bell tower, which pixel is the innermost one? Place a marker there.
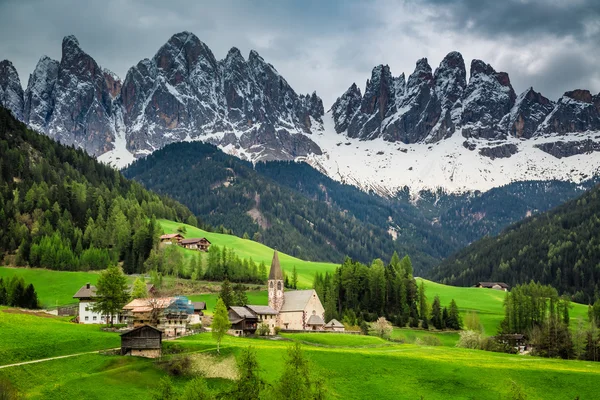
(275, 284)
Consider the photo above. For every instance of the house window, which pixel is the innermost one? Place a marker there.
(87, 318)
(94, 317)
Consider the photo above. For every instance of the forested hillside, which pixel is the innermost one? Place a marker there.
(560, 248)
(226, 191)
(62, 209)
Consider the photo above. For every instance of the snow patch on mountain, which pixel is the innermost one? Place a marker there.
(387, 167)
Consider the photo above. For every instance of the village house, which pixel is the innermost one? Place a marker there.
(296, 310)
(171, 238)
(171, 315)
(201, 244)
(143, 341)
(87, 298)
(493, 285)
(196, 317)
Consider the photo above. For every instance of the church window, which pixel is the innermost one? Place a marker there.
(279, 285)
(271, 284)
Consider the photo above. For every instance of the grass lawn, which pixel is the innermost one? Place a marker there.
(89, 376)
(257, 251)
(411, 335)
(25, 337)
(352, 371)
(336, 340)
(53, 287)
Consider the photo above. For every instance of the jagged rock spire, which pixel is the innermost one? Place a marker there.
(275, 273)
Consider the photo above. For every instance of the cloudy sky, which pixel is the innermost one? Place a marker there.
(552, 45)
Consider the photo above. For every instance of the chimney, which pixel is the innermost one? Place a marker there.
(87, 285)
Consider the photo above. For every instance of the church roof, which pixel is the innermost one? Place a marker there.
(296, 300)
(275, 272)
(315, 320)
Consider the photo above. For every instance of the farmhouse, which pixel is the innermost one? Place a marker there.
(199, 307)
(171, 315)
(87, 298)
(298, 310)
(171, 238)
(143, 341)
(201, 244)
(493, 285)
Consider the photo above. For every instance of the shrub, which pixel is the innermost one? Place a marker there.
(178, 366)
(277, 330)
(263, 330)
(428, 340)
(469, 340)
(382, 328)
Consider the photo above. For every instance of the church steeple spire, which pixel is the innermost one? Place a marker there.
(276, 296)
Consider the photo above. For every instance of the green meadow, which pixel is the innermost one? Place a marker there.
(32, 336)
(353, 367)
(257, 251)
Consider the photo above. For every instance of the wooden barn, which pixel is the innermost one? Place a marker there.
(201, 244)
(145, 341)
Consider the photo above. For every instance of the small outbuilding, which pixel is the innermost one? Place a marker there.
(493, 285)
(335, 326)
(144, 341)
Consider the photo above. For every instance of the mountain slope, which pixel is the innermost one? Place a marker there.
(559, 247)
(226, 191)
(62, 209)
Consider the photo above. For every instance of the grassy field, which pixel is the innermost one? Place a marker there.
(25, 337)
(353, 369)
(257, 251)
(487, 302)
(53, 287)
(411, 335)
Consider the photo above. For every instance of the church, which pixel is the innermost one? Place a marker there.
(296, 310)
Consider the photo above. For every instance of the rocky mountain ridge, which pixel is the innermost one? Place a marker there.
(182, 93)
(489, 135)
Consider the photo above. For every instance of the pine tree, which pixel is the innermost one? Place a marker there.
(3, 293)
(239, 295)
(249, 384)
(30, 299)
(453, 321)
(444, 317)
(226, 294)
(423, 307)
(294, 278)
(436, 313)
(220, 323)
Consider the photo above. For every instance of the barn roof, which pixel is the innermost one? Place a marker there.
(171, 236)
(139, 328)
(242, 312)
(492, 284)
(193, 240)
(262, 310)
(275, 273)
(315, 320)
(199, 305)
(296, 300)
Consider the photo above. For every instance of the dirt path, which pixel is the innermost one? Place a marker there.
(52, 358)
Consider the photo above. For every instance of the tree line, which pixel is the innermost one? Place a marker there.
(15, 292)
(61, 209)
(542, 316)
(356, 293)
(222, 263)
